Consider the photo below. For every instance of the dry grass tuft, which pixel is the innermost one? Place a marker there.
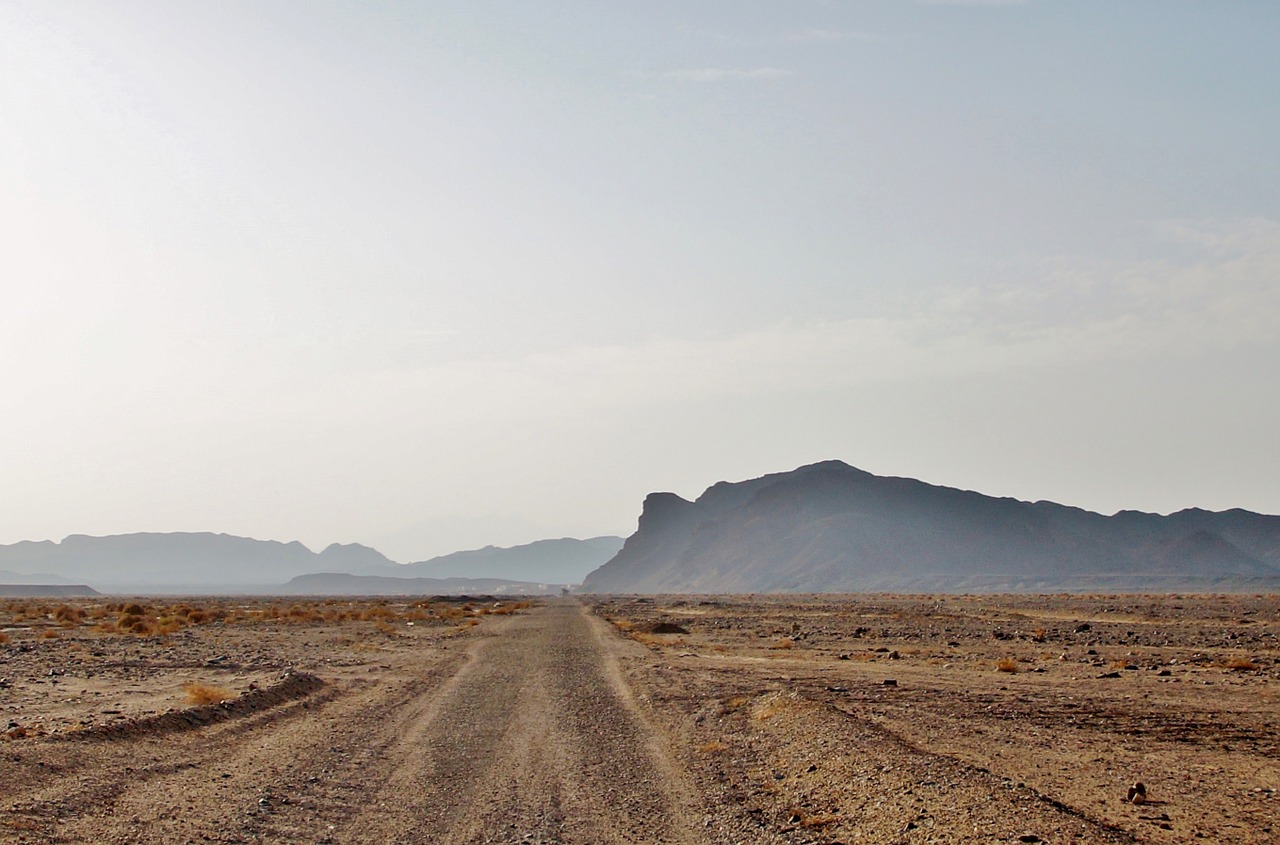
(49, 633)
(1006, 664)
(815, 820)
(657, 640)
(783, 643)
(200, 694)
(1241, 664)
(773, 705)
(713, 747)
(4, 638)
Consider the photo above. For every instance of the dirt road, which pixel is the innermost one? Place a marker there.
(527, 736)
(535, 740)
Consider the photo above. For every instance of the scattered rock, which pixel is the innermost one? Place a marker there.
(1137, 794)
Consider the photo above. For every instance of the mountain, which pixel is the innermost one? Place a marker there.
(830, 527)
(198, 561)
(32, 589)
(336, 584)
(563, 561)
(206, 562)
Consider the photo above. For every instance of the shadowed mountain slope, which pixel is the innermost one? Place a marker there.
(830, 527)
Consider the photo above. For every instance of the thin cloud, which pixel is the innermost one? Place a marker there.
(1153, 310)
(828, 36)
(973, 2)
(725, 74)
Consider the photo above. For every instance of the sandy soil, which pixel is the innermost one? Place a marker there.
(769, 720)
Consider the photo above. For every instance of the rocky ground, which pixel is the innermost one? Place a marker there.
(974, 719)
(665, 719)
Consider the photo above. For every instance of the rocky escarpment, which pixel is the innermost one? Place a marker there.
(832, 527)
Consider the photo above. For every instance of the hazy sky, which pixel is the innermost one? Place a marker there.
(430, 276)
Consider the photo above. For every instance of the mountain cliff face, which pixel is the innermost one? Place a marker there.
(830, 527)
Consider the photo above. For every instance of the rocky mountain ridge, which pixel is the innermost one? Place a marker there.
(830, 527)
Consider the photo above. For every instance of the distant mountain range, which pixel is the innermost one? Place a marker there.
(332, 584)
(207, 562)
(564, 561)
(830, 527)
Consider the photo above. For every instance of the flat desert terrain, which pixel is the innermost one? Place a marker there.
(678, 719)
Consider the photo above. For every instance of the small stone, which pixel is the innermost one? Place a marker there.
(1137, 793)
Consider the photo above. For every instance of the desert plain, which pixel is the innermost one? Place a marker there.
(673, 719)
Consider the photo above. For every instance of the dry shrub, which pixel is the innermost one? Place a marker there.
(140, 627)
(713, 747)
(784, 643)
(4, 638)
(510, 607)
(1241, 664)
(1006, 664)
(49, 633)
(68, 615)
(167, 625)
(1038, 635)
(200, 694)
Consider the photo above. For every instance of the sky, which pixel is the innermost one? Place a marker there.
(434, 276)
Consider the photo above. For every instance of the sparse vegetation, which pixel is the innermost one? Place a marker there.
(1006, 664)
(199, 694)
(1241, 664)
